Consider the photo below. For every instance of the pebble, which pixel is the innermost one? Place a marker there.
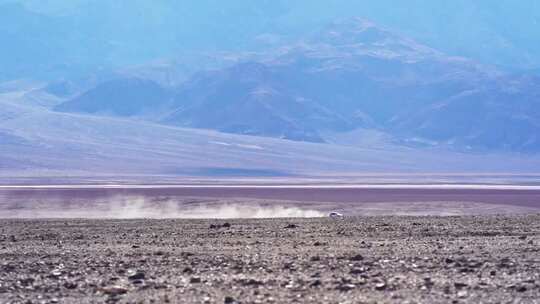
(346, 287)
(195, 280)
(56, 273)
(357, 257)
(462, 294)
(380, 286)
(139, 275)
(115, 290)
(70, 285)
(229, 300)
(315, 283)
(521, 288)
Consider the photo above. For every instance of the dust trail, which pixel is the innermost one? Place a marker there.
(243, 211)
(158, 208)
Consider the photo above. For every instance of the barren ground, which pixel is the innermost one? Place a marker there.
(466, 259)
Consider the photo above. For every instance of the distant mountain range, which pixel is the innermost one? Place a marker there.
(268, 88)
(353, 74)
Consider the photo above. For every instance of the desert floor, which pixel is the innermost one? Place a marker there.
(370, 259)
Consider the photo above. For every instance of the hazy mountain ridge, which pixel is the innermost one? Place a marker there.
(57, 39)
(250, 98)
(120, 97)
(354, 74)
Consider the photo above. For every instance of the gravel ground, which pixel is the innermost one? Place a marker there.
(480, 259)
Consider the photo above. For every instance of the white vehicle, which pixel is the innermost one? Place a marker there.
(335, 215)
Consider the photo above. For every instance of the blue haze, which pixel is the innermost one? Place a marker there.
(53, 37)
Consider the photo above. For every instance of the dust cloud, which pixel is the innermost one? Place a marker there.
(141, 207)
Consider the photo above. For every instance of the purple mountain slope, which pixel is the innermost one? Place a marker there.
(119, 97)
(352, 75)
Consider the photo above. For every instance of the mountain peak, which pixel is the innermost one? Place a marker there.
(354, 31)
(359, 36)
(355, 23)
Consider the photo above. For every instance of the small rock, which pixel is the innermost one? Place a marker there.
(56, 273)
(505, 263)
(446, 289)
(115, 290)
(521, 288)
(346, 287)
(195, 280)
(288, 266)
(357, 257)
(380, 286)
(357, 270)
(252, 282)
(70, 285)
(522, 237)
(229, 300)
(291, 226)
(226, 225)
(462, 294)
(139, 275)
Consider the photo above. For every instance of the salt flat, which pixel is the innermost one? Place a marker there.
(208, 201)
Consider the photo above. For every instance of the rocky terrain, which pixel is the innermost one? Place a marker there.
(468, 259)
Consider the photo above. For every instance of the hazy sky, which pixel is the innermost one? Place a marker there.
(50, 37)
